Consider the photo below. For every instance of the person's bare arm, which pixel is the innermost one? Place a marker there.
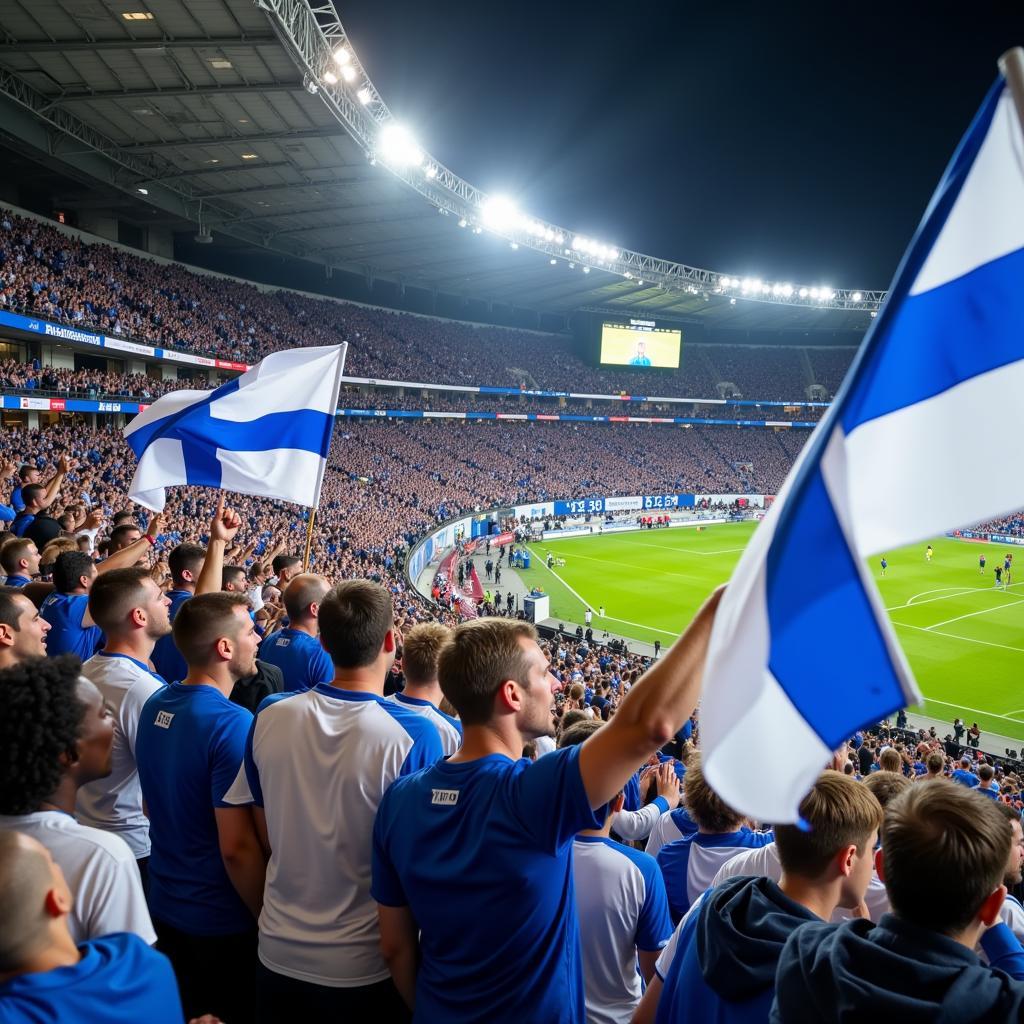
(223, 527)
(648, 1008)
(53, 484)
(648, 959)
(242, 854)
(399, 945)
(651, 713)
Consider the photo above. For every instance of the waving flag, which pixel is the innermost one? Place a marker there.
(266, 432)
(916, 443)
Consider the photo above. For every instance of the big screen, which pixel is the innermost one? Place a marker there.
(640, 343)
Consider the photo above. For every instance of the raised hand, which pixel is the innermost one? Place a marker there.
(225, 524)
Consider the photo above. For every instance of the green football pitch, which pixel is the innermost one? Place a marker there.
(964, 638)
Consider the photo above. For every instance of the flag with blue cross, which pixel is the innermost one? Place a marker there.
(266, 432)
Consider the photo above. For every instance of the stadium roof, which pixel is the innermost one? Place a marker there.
(223, 114)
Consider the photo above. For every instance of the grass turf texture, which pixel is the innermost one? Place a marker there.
(963, 638)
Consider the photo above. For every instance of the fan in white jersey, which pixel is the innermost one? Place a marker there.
(133, 612)
(421, 647)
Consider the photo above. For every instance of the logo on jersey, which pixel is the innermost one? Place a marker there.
(163, 719)
(445, 797)
(282, 641)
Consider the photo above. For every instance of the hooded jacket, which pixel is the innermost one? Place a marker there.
(895, 971)
(727, 952)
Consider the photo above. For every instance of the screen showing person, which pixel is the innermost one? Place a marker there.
(642, 345)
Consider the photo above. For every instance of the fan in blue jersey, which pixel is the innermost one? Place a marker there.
(296, 650)
(472, 858)
(206, 866)
(117, 979)
(185, 562)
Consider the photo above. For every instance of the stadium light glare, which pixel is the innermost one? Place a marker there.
(586, 270)
(827, 295)
(342, 56)
(559, 238)
(803, 293)
(330, 78)
(628, 274)
(641, 281)
(814, 293)
(513, 245)
(857, 297)
(787, 291)
(430, 171)
(552, 261)
(732, 301)
(766, 289)
(776, 288)
(874, 313)
(348, 73)
(364, 96)
(463, 222)
(499, 213)
(397, 146)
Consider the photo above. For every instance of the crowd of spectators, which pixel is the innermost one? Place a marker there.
(48, 273)
(58, 381)
(1013, 525)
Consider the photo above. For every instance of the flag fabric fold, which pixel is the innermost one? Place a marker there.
(920, 440)
(266, 432)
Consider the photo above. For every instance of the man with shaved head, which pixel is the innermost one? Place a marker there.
(115, 978)
(296, 650)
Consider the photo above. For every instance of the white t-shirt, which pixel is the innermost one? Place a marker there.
(318, 763)
(448, 728)
(663, 831)
(100, 871)
(114, 804)
(622, 907)
(544, 744)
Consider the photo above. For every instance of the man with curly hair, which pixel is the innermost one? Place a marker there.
(56, 734)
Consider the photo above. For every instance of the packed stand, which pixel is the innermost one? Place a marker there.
(47, 273)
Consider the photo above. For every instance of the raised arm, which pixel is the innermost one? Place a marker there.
(651, 713)
(223, 527)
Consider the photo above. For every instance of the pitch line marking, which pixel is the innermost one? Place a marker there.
(959, 592)
(610, 618)
(983, 611)
(956, 636)
(637, 568)
(679, 551)
(964, 707)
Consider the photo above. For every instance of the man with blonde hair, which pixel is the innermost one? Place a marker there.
(421, 648)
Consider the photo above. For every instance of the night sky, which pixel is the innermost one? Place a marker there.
(789, 142)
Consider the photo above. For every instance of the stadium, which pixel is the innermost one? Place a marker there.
(360, 522)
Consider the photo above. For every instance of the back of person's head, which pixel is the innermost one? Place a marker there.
(579, 733)
(39, 729)
(355, 617)
(944, 852)
(890, 761)
(479, 656)
(710, 812)
(572, 717)
(114, 594)
(72, 570)
(32, 495)
(421, 649)
(935, 763)
(886, 786)
(302, 593)
(577, 691)
(185, 562)
(986, 773)
(14, 552)
(33, 894)
(838, 813)
(286, 562)
(122, 517)
(205, 619)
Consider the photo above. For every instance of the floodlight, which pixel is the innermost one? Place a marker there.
(364, 96)
(499, 212)
(396, 145)
(765, 289)
(559, 238)
(463, 222)
(586, 270)
(348, 73)
(641, 281)
(627, 274)
(613, 254)
(827, 294)
(776, 289)
(787, 291)
(803, 293)
(857, 297)
(549, 235)
(552, 261)
(874, 313)
(513, 245)
(330, 78)
(748, 285)
(342, 56)
(431, 171)
(815, 293)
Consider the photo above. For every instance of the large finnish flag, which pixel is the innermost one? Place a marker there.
(266, 432)
(922, 438)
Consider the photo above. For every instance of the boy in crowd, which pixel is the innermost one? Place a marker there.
(944, 855)
(726, 951)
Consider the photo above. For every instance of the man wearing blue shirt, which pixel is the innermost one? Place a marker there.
(20, 561)
(67, 608)
(206, 868)
(185, 562)
(296, 651)
(46, 977)
(487, 823)
(316, 764)
(964, 775)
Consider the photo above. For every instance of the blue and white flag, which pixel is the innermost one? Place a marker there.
(266, 432)
(921, 439)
